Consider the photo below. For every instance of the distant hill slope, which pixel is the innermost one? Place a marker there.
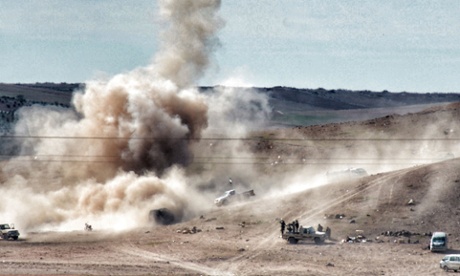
(41, 92)
(303, 107)
(291, 106)
(346, 99)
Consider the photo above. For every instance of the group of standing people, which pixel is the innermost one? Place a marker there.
(291, 227)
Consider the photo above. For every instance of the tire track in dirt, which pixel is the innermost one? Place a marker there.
(376, 182)
(133, 250)
(268, 241)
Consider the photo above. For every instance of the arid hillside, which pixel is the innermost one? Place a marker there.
(409, 158)
(385, 218)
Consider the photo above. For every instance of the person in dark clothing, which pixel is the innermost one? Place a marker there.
(283, 225)
(320, 228)
(328, 232)
(289, 227)
(296, 223)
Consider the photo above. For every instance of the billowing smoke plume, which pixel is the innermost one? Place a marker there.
(185, 52)
(120, 151)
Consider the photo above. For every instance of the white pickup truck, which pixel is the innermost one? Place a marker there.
(231, 195)
(8, 232)
(308, 233)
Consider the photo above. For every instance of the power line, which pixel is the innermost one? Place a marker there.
(38, 156)
(225, 138)
(243, 160)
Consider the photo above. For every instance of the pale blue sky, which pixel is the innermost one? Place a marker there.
(397, 45)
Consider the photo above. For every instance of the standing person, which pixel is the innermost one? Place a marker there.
(328, 232)
(320, 228)
(296, 222)
(283, 225)
(230, 182)
(289, 227)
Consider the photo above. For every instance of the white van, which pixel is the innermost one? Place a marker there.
(438, 242)
(450, 262)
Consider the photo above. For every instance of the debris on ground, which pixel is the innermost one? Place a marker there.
(405, 233)
(403, 236)
(356, 239)
(334, 216)
(186, 230)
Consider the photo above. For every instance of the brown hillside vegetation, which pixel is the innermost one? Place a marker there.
(413, 185)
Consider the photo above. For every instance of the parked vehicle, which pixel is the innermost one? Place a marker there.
(308, 233)
(438, 242)
(8, 232)
(450, 262)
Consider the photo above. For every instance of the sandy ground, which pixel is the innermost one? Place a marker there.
(228, 241)
(233, 250)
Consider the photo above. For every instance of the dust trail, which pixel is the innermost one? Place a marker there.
(233, 113)
(119, 151)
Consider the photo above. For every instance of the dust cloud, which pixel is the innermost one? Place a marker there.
(124, 147)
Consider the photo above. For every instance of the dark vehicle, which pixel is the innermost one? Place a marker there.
(163, 216)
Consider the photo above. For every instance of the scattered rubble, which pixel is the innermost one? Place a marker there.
(401, 237)
(332, 216)
(357, 239)
(404, 233)
(186, 230)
